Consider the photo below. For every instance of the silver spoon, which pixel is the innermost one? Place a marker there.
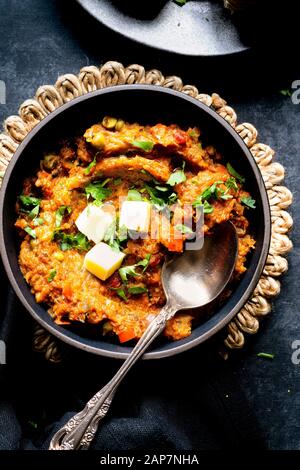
(190, 280)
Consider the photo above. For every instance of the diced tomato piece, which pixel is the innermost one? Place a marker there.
(180, 137)
(126, 335)
(67, 291)
(175, 245)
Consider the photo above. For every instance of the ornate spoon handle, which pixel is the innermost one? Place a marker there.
(80, 430)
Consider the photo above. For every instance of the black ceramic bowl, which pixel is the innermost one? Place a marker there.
(144, 104)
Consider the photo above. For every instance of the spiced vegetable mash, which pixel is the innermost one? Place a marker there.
(65, 257)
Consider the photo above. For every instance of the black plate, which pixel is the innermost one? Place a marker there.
(145, 104)
(199, 28)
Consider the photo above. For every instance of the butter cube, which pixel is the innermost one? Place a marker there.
(135, 215)
(93, 222)
(102, 261)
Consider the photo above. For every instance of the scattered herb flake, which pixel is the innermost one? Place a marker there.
(231, 183)
(249, 202)
(29, 200)
(177, 177)
(69, 241)
(266, 355)
(30, 231)
(234, 173)
(38, 221)
(180, 2)
(97, 191)
(145, 145)
(183, 229)
(286, 92)
(60, 214)
(126, 271)
(52, 275)
(91, 166)
(137, 290)
(120, 292)
(134, 195)
(117, 181)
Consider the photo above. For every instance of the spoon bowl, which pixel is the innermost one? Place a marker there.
(196, 277)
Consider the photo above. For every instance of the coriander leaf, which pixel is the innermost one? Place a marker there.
(134, 195)
(120, 291)
(207, 208)
(231, 183)
(34, 212)
(52, 275)
(266, 355)
(117, 181)
(128, 271)
(145, 145)
(286, 92)
(137, 290)
(109, 235)
(144, 262)
(91, 166)
(225, 196)
(29, 200)
(234, 173)
(122, 234)
(97, 191)
(172, 198)
(249, 202)
(162, 188)
(38, 221)
(177, 177)
(30, 231)
(183, 229)
(69, 241)
(154, 198)
(60, 214)
(180, 2)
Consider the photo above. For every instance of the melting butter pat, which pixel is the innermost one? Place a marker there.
(102, 261)
(135, 215)
(93, 222)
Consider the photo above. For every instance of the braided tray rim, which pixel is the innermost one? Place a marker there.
(90, 78)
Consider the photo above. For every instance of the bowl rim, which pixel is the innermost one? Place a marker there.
(62, 335)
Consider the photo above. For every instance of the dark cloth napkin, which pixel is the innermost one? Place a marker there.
(189, 402)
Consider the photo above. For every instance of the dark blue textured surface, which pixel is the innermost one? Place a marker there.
(41, 40)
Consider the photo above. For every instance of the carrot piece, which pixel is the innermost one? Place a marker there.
(67, 291)
(126, 335)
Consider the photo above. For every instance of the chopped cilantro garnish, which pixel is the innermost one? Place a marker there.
(177, 177)
(29, 200)
(145, 145)
(52, 275)
(234, 173)
(183, 228)
(97, 191)
(266, 355)
(60, 214)
(120, 291)
(91, 166)
(69, 241)
(134, 195)
(38, 221)
(30, 231)
(249, 202)
(117, 181)
(137, 290)
(231, 183)
(126, 271)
